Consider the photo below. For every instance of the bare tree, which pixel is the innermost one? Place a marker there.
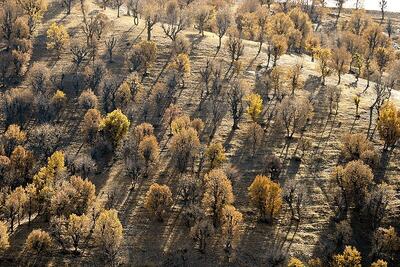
(383, 6)
(222, 22)
(235, 98)
(339, 5)
(110, 44)
(174, 20)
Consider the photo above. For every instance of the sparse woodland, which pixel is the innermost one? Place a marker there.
(199, 133)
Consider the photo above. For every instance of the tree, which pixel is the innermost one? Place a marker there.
(35, 10)
(13, 137)
(31, 203)
(389, 27)
(20, 166)
(215, 154)
(234, 46)
(235, 98)
(385, 243)
(175, 19)
(57, 38)
(184, 148)
(151, 11)
(223, 20)
(293, 114)
(181, 64)
(4, 237)
(108, 234)
(201, 232)
(278, 46)
(18, 104)
(273, 166)
(39, 78)
(201, 17)
(142, 56)
(354, 180)
(231, 223)
(266, 196)
(8, 16)
(149, 152)
(340, 61)
(356, 146)
(77, 230)
(118, 4)
(44, 139)
(349, 257)
(114, 126)
(378, 200)
(180, 123)
(383, 58)
(254, 106)
(323, 55)
(58, 101)
(389, 124)
(88, 100)
(374, 37)
(110, 43)
(68, 5)
(14, 205)
(134, 7)
(254, 136)
(218, 193)
(383, 6)
(158, 200)
(80, 52)
(74, 196)
(293, 76)
(339, 5)
(21, 50)
(189, 190)
(38, 243)
(91, 124)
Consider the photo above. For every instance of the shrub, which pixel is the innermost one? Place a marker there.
(349, 257)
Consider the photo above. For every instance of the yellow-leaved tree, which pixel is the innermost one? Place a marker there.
(158, 200)
(114, 127)
(266, 196)
(181, 64)
(389, 124)
(323, 56)
(108, 234)
(254, 106)
(57, 38)
(215, 154)
(218, 193)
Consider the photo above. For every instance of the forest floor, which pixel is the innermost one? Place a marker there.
(148, 243)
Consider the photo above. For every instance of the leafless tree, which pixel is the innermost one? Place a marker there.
(111, 42)
(235, 98)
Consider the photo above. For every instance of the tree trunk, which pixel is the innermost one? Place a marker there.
(148, 31)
